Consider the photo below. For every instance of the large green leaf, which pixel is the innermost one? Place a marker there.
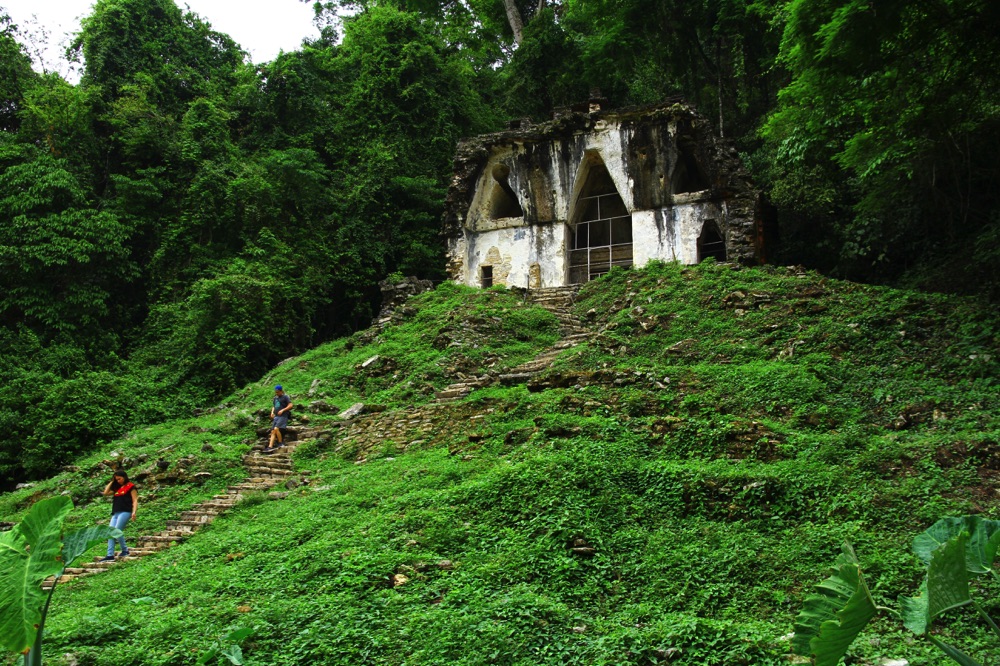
(231, 651)
(946, 586)
(77, 543)
(29, 553)
(234, 653)
(834, 616)
(981, 546)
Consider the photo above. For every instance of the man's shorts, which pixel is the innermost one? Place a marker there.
(280, 422)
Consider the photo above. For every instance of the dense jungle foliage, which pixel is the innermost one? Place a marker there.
(181, 219)
(666, 493)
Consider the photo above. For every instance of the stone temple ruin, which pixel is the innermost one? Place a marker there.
(561, 202)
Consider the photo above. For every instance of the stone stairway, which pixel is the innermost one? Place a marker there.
(557, 300)
(265, 471)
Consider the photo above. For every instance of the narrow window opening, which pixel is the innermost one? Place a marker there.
(710, 243)
(688, 176)
(602, 236)
(486, 276)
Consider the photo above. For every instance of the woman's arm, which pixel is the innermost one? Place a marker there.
(107, 488)
(135, 502)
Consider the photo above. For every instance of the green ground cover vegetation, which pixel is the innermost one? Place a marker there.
(667, 492)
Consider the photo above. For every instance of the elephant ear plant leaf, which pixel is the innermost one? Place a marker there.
(32, 551)
(946, 587)
(981, 547)
(952, 549)
(833, 617)
(228, 647)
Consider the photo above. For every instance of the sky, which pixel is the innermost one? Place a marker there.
(261, 27)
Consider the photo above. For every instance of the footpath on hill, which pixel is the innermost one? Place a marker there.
(362, 429)
(652, 469)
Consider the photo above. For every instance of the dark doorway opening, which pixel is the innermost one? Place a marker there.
(710, 243)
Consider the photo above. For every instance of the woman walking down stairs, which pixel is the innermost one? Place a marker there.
(264, 472)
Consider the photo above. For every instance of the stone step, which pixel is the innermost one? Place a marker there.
(275, 459)
(515, 378)
(160, 539)
(258, 452)
(91, 568)
(269, 478)
(217, 504)
(182, 530)
(258, 455)
(460, 386)
(198, 515)
(551, 295)
(288, 442)
(248, 487)
(189, 524)
(452, 393)
(565, 298)
(269, 471)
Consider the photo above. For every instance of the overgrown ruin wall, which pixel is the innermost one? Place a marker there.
(514, 199)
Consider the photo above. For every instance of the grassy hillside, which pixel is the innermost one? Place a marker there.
(665, 493)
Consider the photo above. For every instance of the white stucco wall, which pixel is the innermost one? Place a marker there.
(688, 221)
(512, 252)
(653, 234)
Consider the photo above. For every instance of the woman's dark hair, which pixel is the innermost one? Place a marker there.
(114, 479)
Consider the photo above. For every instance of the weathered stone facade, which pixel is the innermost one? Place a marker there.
(562, 201)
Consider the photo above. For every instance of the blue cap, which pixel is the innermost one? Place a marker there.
(278, 387)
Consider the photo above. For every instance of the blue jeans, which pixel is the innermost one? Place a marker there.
(119, 520)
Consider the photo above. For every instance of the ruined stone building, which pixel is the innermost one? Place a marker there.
(561, 202)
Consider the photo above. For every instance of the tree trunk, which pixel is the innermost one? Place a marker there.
(514, 18)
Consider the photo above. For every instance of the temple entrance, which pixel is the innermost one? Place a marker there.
(602, 235)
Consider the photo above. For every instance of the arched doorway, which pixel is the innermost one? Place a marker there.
(601, 236)
(710, 242)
